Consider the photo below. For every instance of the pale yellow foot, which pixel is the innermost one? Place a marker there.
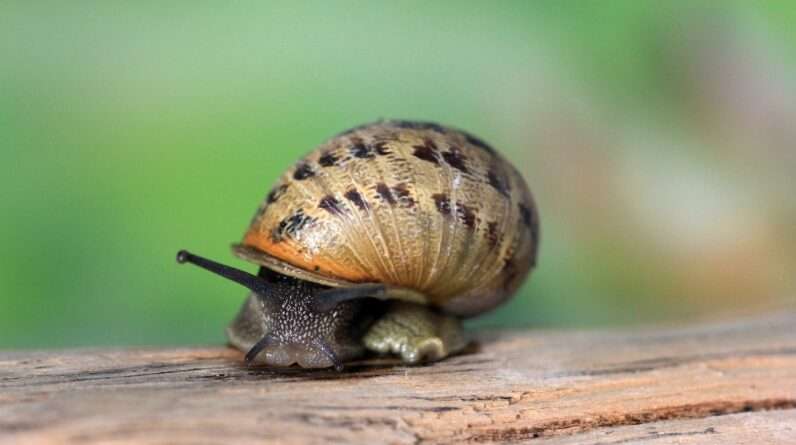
(415, 333)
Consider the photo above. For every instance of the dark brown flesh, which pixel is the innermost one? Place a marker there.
(296, 332)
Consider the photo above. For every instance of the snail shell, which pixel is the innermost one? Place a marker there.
(425, 208)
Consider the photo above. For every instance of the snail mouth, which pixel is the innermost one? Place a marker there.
(283, 355)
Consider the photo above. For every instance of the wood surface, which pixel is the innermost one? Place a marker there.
(727, 383)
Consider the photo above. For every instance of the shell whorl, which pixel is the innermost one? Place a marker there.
(411, 204)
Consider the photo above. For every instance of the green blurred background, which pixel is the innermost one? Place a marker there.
(658, 139)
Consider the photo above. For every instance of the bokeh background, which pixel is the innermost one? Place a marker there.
(659, 139)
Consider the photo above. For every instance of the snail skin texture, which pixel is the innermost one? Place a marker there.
(382, 239)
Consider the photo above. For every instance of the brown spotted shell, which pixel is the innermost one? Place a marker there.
(415, 205)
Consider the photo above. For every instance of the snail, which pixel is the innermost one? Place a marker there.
(382, 239)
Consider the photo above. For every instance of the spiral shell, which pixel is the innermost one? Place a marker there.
(418, 206)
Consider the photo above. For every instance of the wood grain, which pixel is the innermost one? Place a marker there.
(720, 383)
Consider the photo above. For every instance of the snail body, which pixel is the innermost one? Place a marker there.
(381, 239)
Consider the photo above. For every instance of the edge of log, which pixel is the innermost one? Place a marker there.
(683, 385)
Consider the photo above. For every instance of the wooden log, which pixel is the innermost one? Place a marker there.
(720, 383)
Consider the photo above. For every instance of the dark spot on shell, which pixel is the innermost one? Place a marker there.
(385, 193)
(427, 152)
(317, 268)
(443, 203)
(328, 159)
(491, 233)
(404, 195)
(455, 159)
(361, 150)
(531, 220)
(303, 171)
(292, 225)
(276, 193)
(533, 227)
(526, 214)
(509, 272)
(478, 143)
(354, 196)
(466, 215)
(417, 125)
(331, 205)
(381, 148)
(498, 183)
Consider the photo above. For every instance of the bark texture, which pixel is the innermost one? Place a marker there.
(719, 383)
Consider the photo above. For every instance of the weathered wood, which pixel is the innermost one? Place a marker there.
(723, 383)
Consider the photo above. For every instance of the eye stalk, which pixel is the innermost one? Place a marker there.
(328, 299)
(245, 279)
